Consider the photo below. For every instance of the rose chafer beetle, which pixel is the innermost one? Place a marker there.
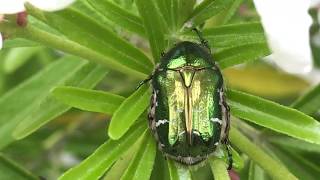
(188, 115)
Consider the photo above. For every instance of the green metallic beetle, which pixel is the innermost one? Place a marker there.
(188, 115)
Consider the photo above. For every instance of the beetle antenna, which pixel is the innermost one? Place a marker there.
(203, 41)
(143, 82)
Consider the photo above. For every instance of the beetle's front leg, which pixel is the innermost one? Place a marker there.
(229, 154)
(203, 41)
(144, 81)
(226, 141)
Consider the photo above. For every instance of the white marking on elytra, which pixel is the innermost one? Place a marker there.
(196, 132)
(161, 121)
(216, 120)
(180, 134)
(198, 110)
(179, 110)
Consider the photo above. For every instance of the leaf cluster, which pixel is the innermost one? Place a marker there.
(102, 37)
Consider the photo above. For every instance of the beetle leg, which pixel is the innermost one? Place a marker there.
(203, 41)
(144, 81)
(229, 158)
(225, 139)
(227, 114)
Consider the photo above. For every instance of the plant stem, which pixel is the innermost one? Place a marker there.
(219, 169)
(34, 34)
(272, 167)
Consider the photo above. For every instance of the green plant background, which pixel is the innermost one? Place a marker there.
(53, 125)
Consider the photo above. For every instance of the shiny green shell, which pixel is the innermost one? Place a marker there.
(187, 113)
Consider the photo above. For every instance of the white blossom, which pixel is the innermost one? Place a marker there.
(287, 23)
(16, 6)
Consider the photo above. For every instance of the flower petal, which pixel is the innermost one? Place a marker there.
(52, 5)
(11, 6)
(287, 23)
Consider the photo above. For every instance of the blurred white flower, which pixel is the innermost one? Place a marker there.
(314, 2)
(15, 6)
(287, 23)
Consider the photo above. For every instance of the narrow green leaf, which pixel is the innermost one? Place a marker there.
(241, 54)
(20, 102)
(88, 100)
(295, 166)
(173, 171)
(11, 170)
(208, 9)
(238, 162)
(87, 32)
(236, 43)
(119, 167)
(68, 46)
(95, 31)
(295, 144)
(119, 16)
(103, 158)
(310, 102)
(17, 57)
(160, 168)
(227, 15)
(18, 42)
(274, 168)
(128, 112)
(141, 166)
(85, 8)
(230, 35)
(255, 172)
(50, 108)
(178, 172)
(219, 169)
(183, 11)
(166, 11)
(154, 26)
(307, 164)
(274, 116)
(224, 16)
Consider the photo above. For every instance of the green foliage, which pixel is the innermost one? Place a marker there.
(103, 158)
(129, 111)
(142, 164)
(22, 101)
(309, 103)
(11, 170)
(154, 26)
(17, 57)
(119, 16)
(207, 9)
(274, 116)
(49, 108)
(273, 167)
(126, 38)
(219, 169)
(88, 100)
(178, 172)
